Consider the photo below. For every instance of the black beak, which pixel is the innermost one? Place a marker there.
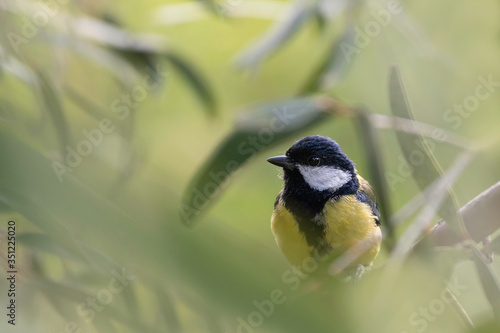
(282, 161)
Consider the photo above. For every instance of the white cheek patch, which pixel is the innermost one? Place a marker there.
(324, 177)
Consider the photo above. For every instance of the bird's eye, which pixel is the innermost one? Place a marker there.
(314, 161)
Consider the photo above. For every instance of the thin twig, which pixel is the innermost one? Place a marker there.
(410, 207)
(352, 254)
(418, 128)
(480, 216)
(459, 308)
(439, 193)
(373, 151)
(419, 200)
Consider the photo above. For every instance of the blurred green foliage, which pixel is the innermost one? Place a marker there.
(158, 86)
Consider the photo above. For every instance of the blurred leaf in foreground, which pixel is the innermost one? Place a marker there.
(195, 80)
(279, 34)
(373, 151)
(143, 52)
(418, 152)
(333, 66)
(442, 200)
(54, 108)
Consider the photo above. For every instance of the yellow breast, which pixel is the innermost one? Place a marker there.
(348, 222)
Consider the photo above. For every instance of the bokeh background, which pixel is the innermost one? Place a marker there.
(220, 70)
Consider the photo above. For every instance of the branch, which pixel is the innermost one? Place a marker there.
(480, 216)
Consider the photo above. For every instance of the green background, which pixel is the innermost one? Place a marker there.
(120, 206)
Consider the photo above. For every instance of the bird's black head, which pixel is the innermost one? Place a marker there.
(317, 164)
(316, 171)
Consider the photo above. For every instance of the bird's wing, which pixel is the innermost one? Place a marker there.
(366, 195)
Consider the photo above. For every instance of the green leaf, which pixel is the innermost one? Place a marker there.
(277, 35)
(256, 129)
(54, 109)
(142, 51)
(339, 61)
(59, 293)
(86, 104)
(49, 99)
(99, 260)
(48, 244)
(62, 289)
(12, 65)
(429, 169)
(320, 20)
(212, 6)
(129, 158)
(424, 174)
(489, 280)
(195, 80)
(377, 175)
(434, 198)
(112, 61)
(38, 215)
(82, 253)
(30, 186)
(167, 309)
(334, 65)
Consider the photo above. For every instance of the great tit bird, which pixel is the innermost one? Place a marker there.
(325, 207)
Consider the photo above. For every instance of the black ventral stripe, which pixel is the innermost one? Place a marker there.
(306, 205)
